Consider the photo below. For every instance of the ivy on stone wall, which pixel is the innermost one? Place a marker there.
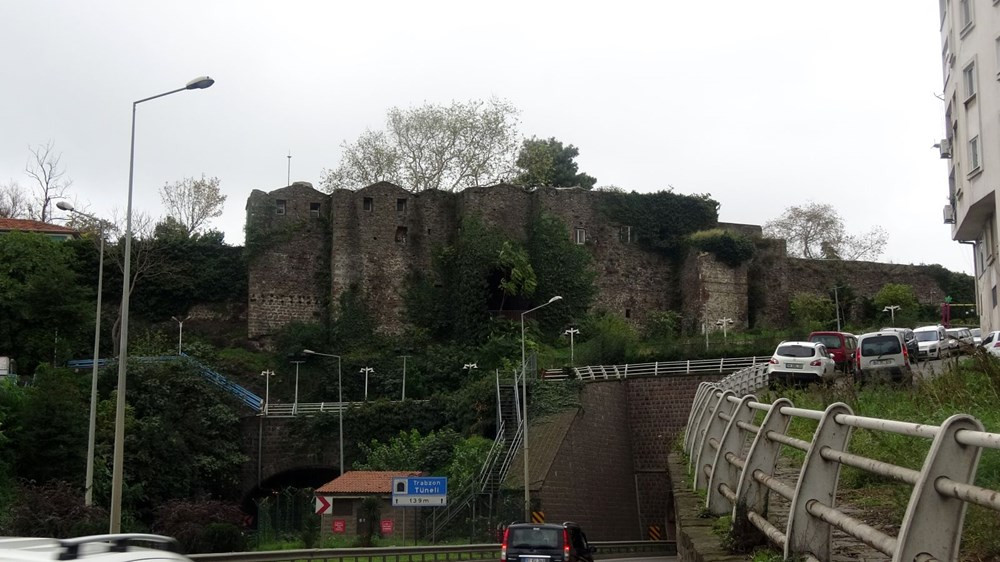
(561, 268)
(730, 248)
(961, 287)
(661, 221)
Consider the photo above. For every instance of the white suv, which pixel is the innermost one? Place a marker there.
(800, 362)
(96, 548)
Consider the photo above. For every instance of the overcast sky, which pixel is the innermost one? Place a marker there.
(761, 104)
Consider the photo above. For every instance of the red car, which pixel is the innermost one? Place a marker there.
(841, 345)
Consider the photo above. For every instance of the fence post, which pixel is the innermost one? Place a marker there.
(817, 482)
(688, 368)
(713, 432)
(701, 422)
(724, 472)
(699, 396)
(933, 522)
(751, 495)
(656, 369)
(722, 364)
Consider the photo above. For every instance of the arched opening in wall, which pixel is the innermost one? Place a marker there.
(286, 496)
(500, 303)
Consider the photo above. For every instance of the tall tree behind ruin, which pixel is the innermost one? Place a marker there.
(49, 176)
(192, 202)
(433, 147)
(816, 231)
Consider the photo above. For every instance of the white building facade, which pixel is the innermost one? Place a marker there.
(970, 56)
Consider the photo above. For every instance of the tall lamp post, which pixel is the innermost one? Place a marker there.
(572, 356)
(88, 495)
(180, 331)
(199, 83)
(404, 376)
(725, 323)
(366, 371)
(524, 395)
(891, 309)
(340, 401)
(295, 405)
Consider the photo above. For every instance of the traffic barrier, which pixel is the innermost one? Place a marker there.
(721, 422)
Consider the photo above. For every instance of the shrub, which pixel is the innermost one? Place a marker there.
(729, 248)
(53, 509)
(201, 525)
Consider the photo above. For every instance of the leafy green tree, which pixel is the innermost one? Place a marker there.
(410, 451)
(43, 307)
(562, 268)
(433, 147)
(520, 278)
(897, 294)
(660, 221)
(546, 162)
(52, 441)
(610, 340)
(812, 311)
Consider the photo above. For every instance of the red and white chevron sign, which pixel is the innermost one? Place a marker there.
(322, 505)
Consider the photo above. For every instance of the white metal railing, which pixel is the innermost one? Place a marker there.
(659, 368)
(283, 410)
(722, 421)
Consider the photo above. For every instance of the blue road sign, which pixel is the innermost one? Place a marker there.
(419, 491)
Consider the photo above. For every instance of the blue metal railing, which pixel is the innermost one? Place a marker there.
(246, 396)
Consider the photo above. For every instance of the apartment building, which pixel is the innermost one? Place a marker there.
(970, 59)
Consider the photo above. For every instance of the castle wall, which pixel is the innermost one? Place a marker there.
(287, 266)
(712, 291)
(631, 282)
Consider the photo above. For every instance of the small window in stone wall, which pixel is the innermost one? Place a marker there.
(401, 235)
(314, 210)
(369, 204)
(400, 205)
(625, 234)
(628, 313)
(280, 206)
(580, 236)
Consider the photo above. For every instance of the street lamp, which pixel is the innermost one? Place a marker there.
(295, 405)
(470, 366)
(366, 370)
(572, 355)
(891, 309)
(267, 388)
(180, 332)
(199, 83)
(340, 401)
(404, 376)
(524, 394)
(88, 495)
(725, 323)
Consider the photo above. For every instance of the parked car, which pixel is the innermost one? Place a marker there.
(991, 343)
(796, 362)
(933, 342)
(841, 347)
(964, 338)
(545, 542)
(98, 548)
(910, 339)
(882, 356)
(977, 336)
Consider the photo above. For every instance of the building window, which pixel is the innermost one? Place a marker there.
(946, 58)
(969, 80)
(625, 234)
(401, 235)
(400, 205)
(314, 210)
(965, 13)
(974, 155)
(369, 204)
(994, 293)
(580, 236)
(280, 206)
(981, 255)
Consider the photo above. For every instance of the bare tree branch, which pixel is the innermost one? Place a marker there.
(15, 202)
(815, 230)
(192, 202)
(45, 169)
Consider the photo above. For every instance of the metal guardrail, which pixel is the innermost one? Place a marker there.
(660, 368)
(442, 553)
(722, 420)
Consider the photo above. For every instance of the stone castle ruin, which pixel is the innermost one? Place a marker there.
(307, 248)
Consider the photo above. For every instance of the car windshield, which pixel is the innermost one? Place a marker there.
(795, 351)
(534, 537)
(880, 345)
(829, 340)
(929, 335)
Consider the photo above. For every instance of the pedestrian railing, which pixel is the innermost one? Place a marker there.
(660, 368)
(722, 421)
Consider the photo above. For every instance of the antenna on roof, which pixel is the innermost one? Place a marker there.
(289, 178)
